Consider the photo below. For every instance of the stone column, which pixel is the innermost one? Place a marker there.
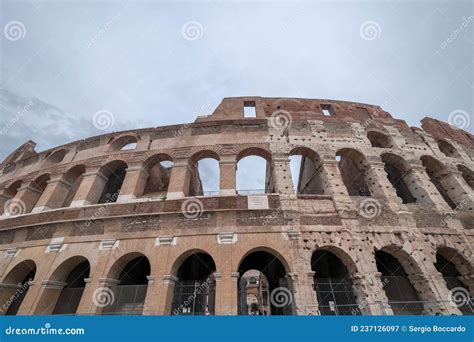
(457, 188)
(370, 293)
(28, 195)
(8, 292)
(226, 293)
(48, 297)
(133, 184)
(179, 181)
(166, 290)
(86, 299)
(433, 291)
(149, 307)
(54, 195)
(282, 174)
(424, 190)
(380, 187)
(3, 200)
(91, 188)
(309, 296)
(228, 168)
(334, 185)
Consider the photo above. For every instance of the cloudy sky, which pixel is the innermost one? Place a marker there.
(153, 63)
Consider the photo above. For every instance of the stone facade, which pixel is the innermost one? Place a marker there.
(404, 191)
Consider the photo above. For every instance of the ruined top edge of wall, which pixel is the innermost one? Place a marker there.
(231, 110)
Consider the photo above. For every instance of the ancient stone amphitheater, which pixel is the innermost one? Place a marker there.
(380, 222)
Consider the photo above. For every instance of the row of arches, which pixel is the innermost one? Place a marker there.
(254, 174)
(263, 276)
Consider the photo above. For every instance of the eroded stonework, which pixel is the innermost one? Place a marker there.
(379, 205)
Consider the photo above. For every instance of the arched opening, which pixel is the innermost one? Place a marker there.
(354, 171)
(38, 186)
(306, 172)
(115, 173)
(131, 273)
(447, 149)
(436, 172)
(333, 285)
(124, 143)
(467, 174)
(257, 293)
(62, 292)
(159, 169)
(194, 291)
(275, 288)
(10, 192)
(254, 172)
(402, 296)
(445, 264)
(71, 293)
(380, 140)
(74, 177)
(205, 174)
(15, 286)
(397, 170)
(55, 157)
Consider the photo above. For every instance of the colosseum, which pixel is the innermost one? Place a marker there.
(379, 222)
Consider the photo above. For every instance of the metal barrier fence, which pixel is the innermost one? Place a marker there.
(409, 308)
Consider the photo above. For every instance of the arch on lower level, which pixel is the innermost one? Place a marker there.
(273, 293)
(63, 291)
(456, 272)
(15, 286)
(398, 270)
(126, 285)
(194, 284)
(333, 269)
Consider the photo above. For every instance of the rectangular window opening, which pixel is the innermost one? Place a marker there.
(327, 109)
(249, 109)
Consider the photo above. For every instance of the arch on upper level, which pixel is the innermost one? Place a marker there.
(55, 157)
(354, 168)
(448, 149)
(124, 142)
(398, 173)
(467, 174)
(437, 172)
(307, 171)
(204, 170)
(114, 173)
(73, 178)
(379, 139)
(254, 173)
(158, 168)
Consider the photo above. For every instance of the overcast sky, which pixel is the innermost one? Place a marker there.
(153, 63)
